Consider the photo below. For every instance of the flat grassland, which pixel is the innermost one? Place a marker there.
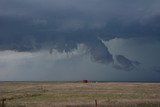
(61, 94)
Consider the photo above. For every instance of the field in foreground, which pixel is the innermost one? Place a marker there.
(59, 94)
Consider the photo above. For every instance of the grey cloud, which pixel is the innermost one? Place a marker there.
(34, 25)
(155, 68)
(42, 66)
(105, 17)
(121, 62)
(144, 50)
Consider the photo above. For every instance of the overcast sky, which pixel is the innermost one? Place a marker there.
(56, 40)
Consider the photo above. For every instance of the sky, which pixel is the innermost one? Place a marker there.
(73, 40)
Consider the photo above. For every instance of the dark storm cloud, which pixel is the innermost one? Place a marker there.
(102, 16)
(63, 24)
(155, 68)
(123, 63)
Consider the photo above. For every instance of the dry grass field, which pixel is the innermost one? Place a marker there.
(59, 94)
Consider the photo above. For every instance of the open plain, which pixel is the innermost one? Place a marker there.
(68, 94)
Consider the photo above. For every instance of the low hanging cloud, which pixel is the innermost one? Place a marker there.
(58, 66)
(34, 26)
(96, 48)
(62, 66)
(145, 50)
(123, 63)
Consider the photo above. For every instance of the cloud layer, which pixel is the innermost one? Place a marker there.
(34, 26)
